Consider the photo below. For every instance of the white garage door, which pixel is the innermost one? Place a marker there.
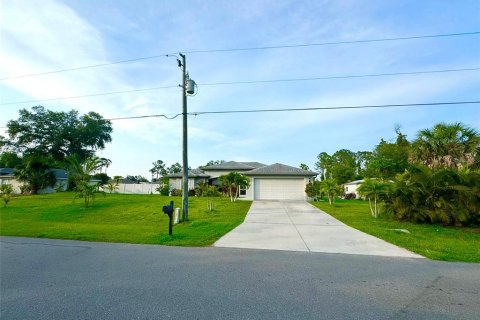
(279, 189)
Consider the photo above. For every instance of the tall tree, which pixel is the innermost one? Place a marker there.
(324, 165)
(174, 168)
(105, 163)
(344, 165)
(58, 134)
(304, 166)
(214, 162)
(389, 159)
(9, 160)
(158, 169)
(447, 146)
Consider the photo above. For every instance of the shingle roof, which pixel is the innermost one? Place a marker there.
(6, 171)
(353, 182)
(233, 165)
(254, 164)
(192, 173)
(279, 169)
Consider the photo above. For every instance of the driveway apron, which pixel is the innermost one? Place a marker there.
(299, 226)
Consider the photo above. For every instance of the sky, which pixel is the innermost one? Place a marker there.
(48, 35)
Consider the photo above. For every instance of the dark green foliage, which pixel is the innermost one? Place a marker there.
(312, 189)
(137, 179)
(445, 196)
(57, 134)
(163, 189)
(9, 160)
(213, 162)
(103, 177)
(350, 196)
(389, 159)
(174, 168)
(35, 173)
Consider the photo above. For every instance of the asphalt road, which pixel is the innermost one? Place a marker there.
(55, 279)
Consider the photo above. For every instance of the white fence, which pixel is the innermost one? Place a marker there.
(141, 188)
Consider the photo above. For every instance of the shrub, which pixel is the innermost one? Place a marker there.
(176, 193)
(164, 189)
(191, 193)
(350, 196)
(444, 196)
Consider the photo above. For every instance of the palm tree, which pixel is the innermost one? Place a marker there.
(81, 173)
(373, 189)
(36, 173)
(447, 146)
(105, 163)
(233, 181)
(158, 169)
(331, 188)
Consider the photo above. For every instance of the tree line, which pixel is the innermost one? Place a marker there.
(434, 178)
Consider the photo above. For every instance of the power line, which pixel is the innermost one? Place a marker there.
(336, 42)
(197, 113)
(340, 77)
(335, 108)
(148, 116)
(245, 49)
(89, 95)
(252, 82)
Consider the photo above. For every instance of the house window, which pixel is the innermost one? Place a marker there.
(346, 189)
(242, 192)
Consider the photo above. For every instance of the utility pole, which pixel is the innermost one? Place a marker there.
(185, 141)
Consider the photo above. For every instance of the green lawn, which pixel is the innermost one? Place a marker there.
(432, 241)
(119, 218)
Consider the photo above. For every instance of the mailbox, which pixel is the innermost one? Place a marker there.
(168, 209)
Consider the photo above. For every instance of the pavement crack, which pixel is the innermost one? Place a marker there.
(296, 229)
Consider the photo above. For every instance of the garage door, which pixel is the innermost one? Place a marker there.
(279, 189)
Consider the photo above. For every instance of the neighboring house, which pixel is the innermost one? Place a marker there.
(195, 176)
(267, 182)
(61, 183)
(7, 177)
(351, 187)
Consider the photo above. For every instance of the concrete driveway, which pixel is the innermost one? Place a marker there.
(299, 226)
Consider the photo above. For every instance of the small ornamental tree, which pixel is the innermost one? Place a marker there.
(233, 182)
(82, 172)
(331, 189)
(373, 190)
(5, 193)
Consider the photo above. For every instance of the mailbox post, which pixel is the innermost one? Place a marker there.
(169, 210)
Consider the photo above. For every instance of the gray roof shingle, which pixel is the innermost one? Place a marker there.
(234, 165)
(279, 169)
(192, 173)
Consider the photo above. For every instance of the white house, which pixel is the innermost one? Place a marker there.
(195, 176)
(61, 180)
(351, 187)
(267, 182)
